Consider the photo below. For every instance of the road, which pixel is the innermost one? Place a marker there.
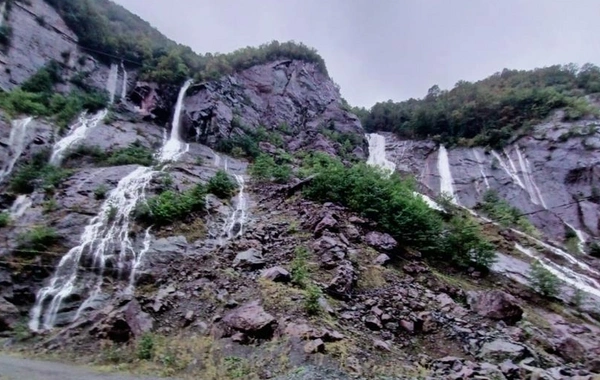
(12, 368)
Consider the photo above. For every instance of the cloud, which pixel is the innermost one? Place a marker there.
(388, 49)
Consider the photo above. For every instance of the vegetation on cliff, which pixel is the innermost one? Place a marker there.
(109, 30)
(489, 111)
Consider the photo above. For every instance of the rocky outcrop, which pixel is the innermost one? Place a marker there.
(550, 174)
(495, 305)
(252, 320)
(290, 98)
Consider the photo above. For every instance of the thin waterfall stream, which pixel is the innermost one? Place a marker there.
(106, 242)
(16, 143)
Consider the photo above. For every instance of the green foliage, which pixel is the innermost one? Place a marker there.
(299, 267)
(543, 281)
(145, 347)
(49, 205)
(389, 201)
(44, 80)
(311, 300)
(112, 213)
(265, 168)
(171, 206)
(100, 191)
(37, 173)
(488, 111)
(4, 219)
(106, 27)
(466, 243)
(222, 185)
(134, 154)
(501, 211)
(36, 240)
(239, 146)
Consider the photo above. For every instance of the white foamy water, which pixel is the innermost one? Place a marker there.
(111, 83)
(124, 86)
(480, 162)
(78, 132)
(17, 141)
(19, 207)
(446, 181)
(377, 156)
(568, 276)
(234, 227)
(105, 239)
(175, 147)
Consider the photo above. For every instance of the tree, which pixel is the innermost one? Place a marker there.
(543, 281)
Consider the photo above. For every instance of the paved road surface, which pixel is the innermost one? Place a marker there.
(12, 368)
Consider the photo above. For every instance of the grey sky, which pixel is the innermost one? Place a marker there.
(392, 49)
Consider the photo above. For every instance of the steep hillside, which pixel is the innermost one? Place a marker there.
(225, 216)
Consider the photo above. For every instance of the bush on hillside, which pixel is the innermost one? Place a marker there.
(502, 212)
(36, 240)
(222, 185)
(465, 242)
(37, 173)
(543, 281)
(171, 206)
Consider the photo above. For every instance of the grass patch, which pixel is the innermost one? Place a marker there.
(37, 240)
(171, 206)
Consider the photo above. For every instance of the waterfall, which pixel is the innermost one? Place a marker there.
(480, 162)
(581, 237)
(446, 181)
(105, 240)
(530, 186)
(20, 205)
(124, 86)
(577, 280)
(2, 12)
(111, 83)
(377, 156)
(78, 131)
(175, 148)
(16, 145)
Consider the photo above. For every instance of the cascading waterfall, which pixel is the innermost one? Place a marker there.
(111, 83)
(530, 186)
(580, 236)
(446, 181)
(124, 86)
(480, 162)
(78, 131)
(234, 225)
(19, 206)
(106, 240)
(2, 12)
(377, 155)
(16, 143)
(577, 280)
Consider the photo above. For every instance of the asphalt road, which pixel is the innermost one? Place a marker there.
(12, 368)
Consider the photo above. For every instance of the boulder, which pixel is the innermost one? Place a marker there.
(9, 315)
(501, 350)
(343, 281)
(381, 345)
(381, 241)
(495, 304)
(123, 324)
(382, 259)
(328, 223)
(314, 346)
(252, 320)
(276, 274)
(571, 350)
(249, 259)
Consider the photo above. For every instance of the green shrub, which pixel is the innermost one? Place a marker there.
(299, 267)
(265, 169)
(37, 174)
(311, 300)
(44, 79)
(505, 214)
(222, 185)
(100, 191)
(4, 219)
(171, 206)
(146, 347)
(543, 281)
(466, 243)
(36, 240)
(134, 154)
(388, 201)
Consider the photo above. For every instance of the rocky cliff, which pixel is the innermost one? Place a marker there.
(260, 269)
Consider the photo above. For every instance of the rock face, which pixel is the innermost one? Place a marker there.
(551, 173)
(495, 305)
(291, 97)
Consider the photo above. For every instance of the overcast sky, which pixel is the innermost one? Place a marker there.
(392, 49)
